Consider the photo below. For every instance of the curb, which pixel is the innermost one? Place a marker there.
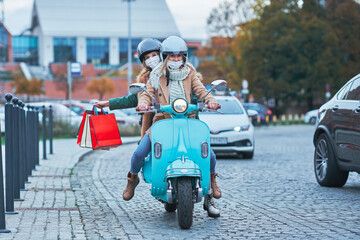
(83, 155)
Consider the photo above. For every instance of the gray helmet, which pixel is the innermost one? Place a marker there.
(146, 46)
(173, 45)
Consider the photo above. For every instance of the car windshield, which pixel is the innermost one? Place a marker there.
(118, 113)
(228, 106)
(257, 108)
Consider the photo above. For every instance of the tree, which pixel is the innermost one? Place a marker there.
(224, 20)
(60, 78)
(101, 86)
(344, 18)
(289, 53)
(216, 57)
(27, 87)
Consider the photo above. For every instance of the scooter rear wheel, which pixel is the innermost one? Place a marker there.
(185, 203)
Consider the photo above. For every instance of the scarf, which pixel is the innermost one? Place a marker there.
(176, 83)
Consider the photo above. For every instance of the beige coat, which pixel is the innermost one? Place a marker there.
(191, 84)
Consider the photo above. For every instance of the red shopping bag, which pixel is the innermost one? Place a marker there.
(104, 131)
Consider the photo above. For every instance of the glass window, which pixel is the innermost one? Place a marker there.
(25, 49)
(228, 106)
(97, 50)
(354, 93)
(123, 50)
(4, 45)
(343, 92)
(64, 49)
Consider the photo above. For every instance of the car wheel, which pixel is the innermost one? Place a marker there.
(312, 120)
(248, 155)
(326, 169)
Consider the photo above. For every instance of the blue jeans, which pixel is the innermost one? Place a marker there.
(144, 148)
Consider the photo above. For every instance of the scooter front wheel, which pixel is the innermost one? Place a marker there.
(185, 203)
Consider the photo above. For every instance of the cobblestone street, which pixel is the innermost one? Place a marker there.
(274, 195)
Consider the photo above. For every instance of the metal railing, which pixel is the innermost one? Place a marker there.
(21, 150)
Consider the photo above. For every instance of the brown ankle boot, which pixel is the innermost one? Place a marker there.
(215, 189)
(133, 181)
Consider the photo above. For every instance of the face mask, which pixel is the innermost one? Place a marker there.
(174, 65)
(152, 62)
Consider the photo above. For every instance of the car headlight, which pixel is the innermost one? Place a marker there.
(180, 105)
(242, 128)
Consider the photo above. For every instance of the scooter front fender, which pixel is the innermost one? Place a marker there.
(183, 168)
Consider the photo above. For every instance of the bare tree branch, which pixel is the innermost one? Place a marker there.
(225, 19)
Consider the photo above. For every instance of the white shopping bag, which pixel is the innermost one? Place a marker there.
(86, 134)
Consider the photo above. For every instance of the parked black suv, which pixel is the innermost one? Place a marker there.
(337, 136)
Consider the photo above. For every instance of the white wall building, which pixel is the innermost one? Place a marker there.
(96, 31)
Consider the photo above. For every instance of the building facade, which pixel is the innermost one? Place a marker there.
(95, 32)
(5, 44)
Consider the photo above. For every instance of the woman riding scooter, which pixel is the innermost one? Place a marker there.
(179, 81)
(148, 52)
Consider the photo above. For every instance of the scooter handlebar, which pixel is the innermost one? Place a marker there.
(150, 109)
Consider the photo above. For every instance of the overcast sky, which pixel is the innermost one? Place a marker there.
(190, 15)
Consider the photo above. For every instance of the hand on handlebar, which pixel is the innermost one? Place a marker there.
(213, 106)
(142, 107)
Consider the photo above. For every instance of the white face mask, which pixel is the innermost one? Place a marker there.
(152, 62)
(174, 65)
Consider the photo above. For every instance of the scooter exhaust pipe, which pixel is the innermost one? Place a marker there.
(169, 192)
(199, 191)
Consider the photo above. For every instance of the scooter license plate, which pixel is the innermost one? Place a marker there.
(218, 140)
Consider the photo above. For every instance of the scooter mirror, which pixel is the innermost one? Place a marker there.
(135, 88)
(219, 85)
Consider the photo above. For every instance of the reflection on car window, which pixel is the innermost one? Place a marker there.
(354, 93)
(77, 109)
(228, 106)
(343, 92)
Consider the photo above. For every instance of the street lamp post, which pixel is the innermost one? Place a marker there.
(130, 71)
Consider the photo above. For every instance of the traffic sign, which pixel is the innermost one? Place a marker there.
(245, 84)
(244, 91)
(75, 69)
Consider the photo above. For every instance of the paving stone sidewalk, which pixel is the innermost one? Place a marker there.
(49, 209)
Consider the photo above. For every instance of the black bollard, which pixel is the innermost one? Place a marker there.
(21, 148)
(44, 131)
(27, 144)
(15, 101)
(32, 139)
(9, 164)
(51, 129)
(37, 136)
(2, 206)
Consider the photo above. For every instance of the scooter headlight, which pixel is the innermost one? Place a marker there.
(180, 105)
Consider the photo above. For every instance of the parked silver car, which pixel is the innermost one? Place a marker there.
(311, 116)
(231, 132)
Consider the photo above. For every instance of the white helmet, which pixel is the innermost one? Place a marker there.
(173, 45)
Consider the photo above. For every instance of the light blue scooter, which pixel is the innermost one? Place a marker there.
(178, 167)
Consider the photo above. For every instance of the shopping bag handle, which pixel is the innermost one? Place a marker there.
(95, 111)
